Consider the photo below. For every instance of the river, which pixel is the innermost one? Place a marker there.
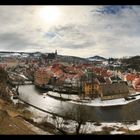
(34, 96)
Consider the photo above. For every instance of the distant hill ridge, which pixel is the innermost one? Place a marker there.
(97, 57)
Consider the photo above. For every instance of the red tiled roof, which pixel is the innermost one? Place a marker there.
(58, 73)
(136, 81)
(130, 77)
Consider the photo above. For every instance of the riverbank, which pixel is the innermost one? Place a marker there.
(96, 125)
(96, 102)
(88, 128)
(13, 120)
(26, 120)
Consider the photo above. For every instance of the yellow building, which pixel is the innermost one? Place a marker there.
(88, 88)
(91, 89)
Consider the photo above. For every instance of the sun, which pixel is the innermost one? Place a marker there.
(50, 14)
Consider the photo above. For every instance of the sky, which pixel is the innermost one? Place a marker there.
(83, 31)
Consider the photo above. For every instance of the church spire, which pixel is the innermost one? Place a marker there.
(55, 52)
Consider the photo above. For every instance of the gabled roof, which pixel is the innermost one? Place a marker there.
(130, 76)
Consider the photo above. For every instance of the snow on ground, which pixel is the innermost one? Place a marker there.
(92, 127)
(116, 132)
(134, 127)
(38, 115)
(15, 101)
(65, 96)
(114, 102)
(94, 102)
(88, 128)
(23, 76)
(37, 130)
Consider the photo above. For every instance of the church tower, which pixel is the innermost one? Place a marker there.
(56, 55)
(55, 52)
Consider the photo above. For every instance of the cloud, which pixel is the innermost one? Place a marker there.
(110, 31)
(71, 36)
(14, 41)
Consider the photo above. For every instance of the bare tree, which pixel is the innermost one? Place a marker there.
(59, 124)
(78, 115)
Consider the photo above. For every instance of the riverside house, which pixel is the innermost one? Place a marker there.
(106, 90)
(113, 91)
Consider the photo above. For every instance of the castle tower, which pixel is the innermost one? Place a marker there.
(56, 52)
(56, 55)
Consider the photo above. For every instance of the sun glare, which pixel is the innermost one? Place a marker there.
(50, 14)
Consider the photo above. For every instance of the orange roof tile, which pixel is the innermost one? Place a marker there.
(130, 77)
